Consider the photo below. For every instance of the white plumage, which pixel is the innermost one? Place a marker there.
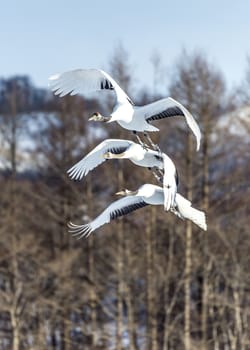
(97, 157)
(135, 118)
(146, 195)
(183, 208)
(124, 149)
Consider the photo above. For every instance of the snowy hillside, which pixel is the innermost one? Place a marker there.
(236, 123)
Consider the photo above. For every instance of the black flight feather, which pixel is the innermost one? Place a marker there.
(169, 112)
(126, 210)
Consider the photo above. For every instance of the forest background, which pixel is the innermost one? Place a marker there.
(148, 280)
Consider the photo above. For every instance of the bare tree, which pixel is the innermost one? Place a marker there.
(121, 71)
(200, 87)
(148, 280)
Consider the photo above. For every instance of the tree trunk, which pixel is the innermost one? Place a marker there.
(129, 298)
(188, 267)
(120, 291)
(15, 331)
(188, 249)
(13, 224)
(238, 322)
(167, 308)
(91, 272)
(151, 307)
(65, 324)
(205, 191)
(153, 282)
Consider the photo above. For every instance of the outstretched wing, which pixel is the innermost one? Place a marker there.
(170, 182)
(118, 208)
(168, 107)
(80, 81)
(185, 210)
(96, 157)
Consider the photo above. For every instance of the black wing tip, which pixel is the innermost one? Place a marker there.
(126, 210)
(106, 85)
(117, 150)
(169, 112)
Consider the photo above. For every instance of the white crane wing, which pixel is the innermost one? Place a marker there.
(186, 211)
(168, 107)
(96, 157)
(118, 208)
(81, 81)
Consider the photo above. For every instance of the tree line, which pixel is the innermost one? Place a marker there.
(146, 281)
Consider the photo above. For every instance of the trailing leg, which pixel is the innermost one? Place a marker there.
(152, 144)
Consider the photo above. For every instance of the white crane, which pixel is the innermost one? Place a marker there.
(128, 116)
(133, 200)
(137, 154)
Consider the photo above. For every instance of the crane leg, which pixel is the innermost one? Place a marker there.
(152, 144)
(143, 144)
(158, 174)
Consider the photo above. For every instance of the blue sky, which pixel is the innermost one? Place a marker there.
(40, 38)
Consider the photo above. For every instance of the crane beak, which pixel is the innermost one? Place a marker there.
(94, 117)
(126, 192)
(97, 117)
(121, 193)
